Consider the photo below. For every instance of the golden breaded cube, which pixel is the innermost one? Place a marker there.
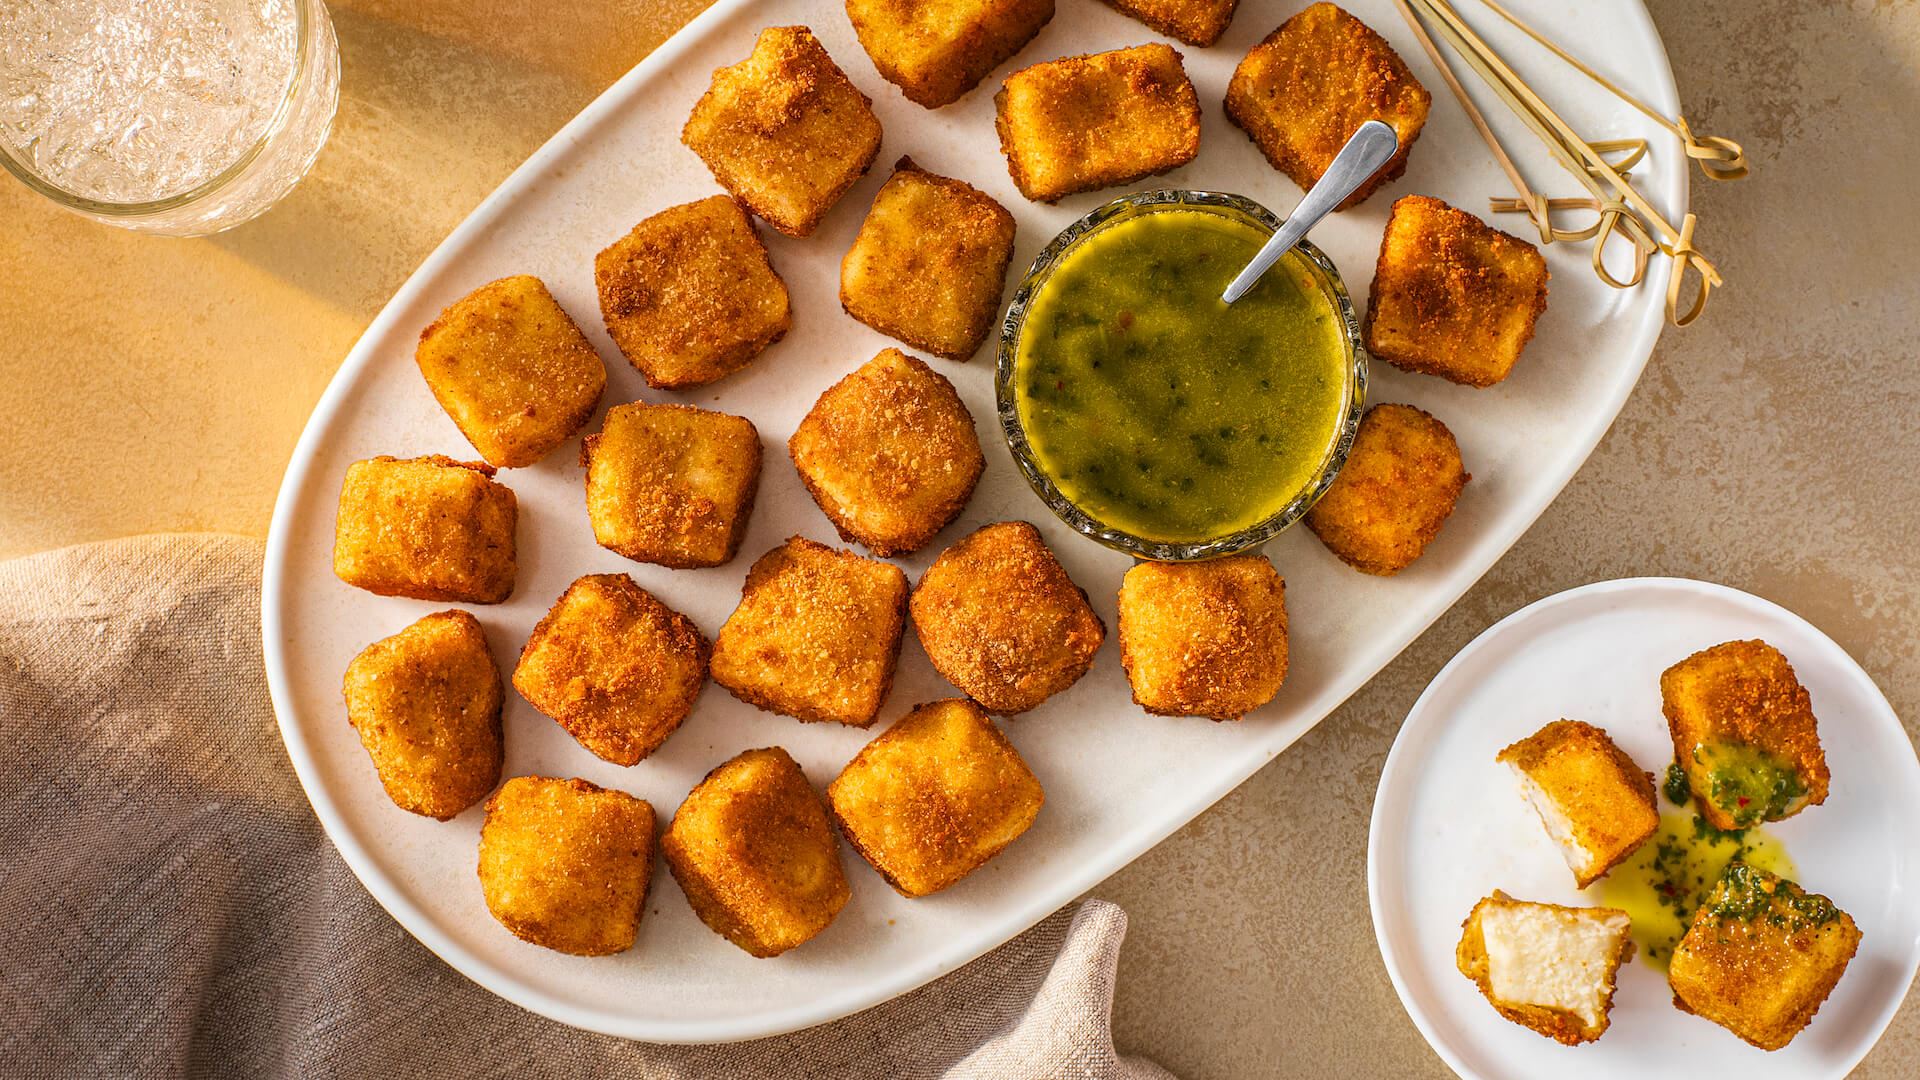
(816, 635)
(929, 263)
(1452, 296)
(427, 528)
(1761, 956)
(426, 703)
(616, 667)
(935, 796)
(1744, 733)
(1548, 968)
(512, 370)
(1597, 805)
(753, 850)
(689, 295)
(1303, 92)
(1397, 488)
(1206, 638)
(889, 453)
(937, 50)
(671, 484)
(1196, 22)
(1001, 620)
(565, 863)
(784, 130)
(1086, 122)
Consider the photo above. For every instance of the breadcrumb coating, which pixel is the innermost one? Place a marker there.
(889, 453)
(565, 864)
(1001, 620)
(1301, 93)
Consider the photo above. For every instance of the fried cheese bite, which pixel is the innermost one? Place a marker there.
(784, 130)
(753, 850)
(671, 484)
(1196, 22)
(929, 263)
(1744, 733)
(1082, 123)
(1001, 620)
(816, 636)
(1398, 487)
(1303, 92)
(689, 295)
(614, 666)
(1761, 956)
(512, 370)
(427, 528)
(1204, 639)
(937, 50)
(934, 796)
(889, 453)
(1548, 968)
(426, 703)
(1597, 805)
(1452, 296)
(565, 863)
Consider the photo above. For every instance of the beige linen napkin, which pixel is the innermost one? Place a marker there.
(169, 905)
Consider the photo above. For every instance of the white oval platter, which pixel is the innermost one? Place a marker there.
(1450, 826)
(1117, 780)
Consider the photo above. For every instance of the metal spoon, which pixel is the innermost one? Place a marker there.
(1365, 152)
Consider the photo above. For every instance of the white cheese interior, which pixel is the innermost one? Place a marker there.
(1559, 827)
(1538, 955)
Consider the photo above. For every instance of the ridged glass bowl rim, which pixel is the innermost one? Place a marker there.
(303, 31)
(1132, 206)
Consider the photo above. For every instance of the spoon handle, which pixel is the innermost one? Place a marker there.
(1366, 151)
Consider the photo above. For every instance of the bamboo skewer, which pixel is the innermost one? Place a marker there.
(1622, 210)
(1718, 158)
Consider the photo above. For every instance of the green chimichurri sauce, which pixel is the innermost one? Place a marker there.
(1748, 783)
(1674, 872)
(1161, 411)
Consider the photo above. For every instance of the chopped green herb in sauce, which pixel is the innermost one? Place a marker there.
(1679, 791)
(1664, 883)
(1750, 895)
(1159, 410)
(1749, 784)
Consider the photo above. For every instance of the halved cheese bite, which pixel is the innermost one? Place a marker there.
(1762, 956)
(1595, 802)
(1546, 967)
(1744, 734)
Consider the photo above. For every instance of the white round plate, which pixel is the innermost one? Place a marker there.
(1450, 826)
(1117, 780)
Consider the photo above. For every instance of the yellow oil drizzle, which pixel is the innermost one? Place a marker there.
(1662, 884)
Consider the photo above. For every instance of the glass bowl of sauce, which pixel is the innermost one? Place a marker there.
(1158, 420)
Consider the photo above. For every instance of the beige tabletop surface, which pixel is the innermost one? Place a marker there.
(153, 384)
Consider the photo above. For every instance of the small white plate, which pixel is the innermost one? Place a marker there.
(1450, 826)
